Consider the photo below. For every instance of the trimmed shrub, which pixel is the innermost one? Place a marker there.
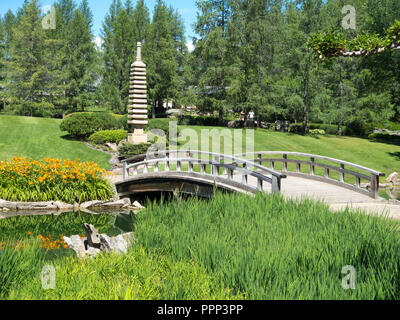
(317, 132)
(296, 128)
(385, 138)
(201, 121)
(82, 125)
(359, 128)
(128, 150)
(112, 136)
(328, 128)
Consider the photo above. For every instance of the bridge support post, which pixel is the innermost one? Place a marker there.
(374, 191)
(125, 171)
(276, 184)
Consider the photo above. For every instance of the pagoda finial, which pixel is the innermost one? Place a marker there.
(139, 52)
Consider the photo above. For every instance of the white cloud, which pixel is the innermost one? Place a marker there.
(98, 41)
(190, 46)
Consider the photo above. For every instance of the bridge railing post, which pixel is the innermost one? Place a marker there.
(276, 184)
(215, 168)
(374, 190)
(312, 167)
(259, 158)
(284, 165)
(125, 171)
(244, 176)
(342, 173)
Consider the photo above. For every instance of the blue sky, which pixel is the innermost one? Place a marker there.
(187, 9)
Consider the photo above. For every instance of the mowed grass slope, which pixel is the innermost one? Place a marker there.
(374, 155)
(39, 138)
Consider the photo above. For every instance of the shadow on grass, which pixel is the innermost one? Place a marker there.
(71, 138)
(394, 140)
(395, 155)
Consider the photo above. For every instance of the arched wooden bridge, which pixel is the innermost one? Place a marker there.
(338, 183)
(199, 172)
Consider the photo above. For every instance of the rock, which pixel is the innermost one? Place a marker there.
(136, 204)
(62, 205)
(92, 252)
(264, 125)
(8, 204)
(122, 142)
(115, 160)
(92, 236)
(6, 209)
(96, 243)
(127, 202)
(393, 178)
(36, 206)
(112, 146)
(89, 204)
(114, 204)
(76, 244)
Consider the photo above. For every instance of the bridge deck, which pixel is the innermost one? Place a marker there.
(338, 198)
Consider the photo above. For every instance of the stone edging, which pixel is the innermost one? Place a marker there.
(125, 203)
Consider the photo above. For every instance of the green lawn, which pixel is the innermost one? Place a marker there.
(374, 155)
(38, 138)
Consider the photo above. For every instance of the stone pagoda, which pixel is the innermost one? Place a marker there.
(137, 106)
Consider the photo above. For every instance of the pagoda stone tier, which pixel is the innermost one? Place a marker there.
(137, 105)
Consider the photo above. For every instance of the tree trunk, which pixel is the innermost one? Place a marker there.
(341, 90)
(153, 109)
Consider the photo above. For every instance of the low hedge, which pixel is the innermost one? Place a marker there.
(112, 136)
(201, 121)
(385, 138)
(82, 125)
(331, 129)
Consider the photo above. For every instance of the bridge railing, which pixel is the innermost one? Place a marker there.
(173, 160)
(311, 161)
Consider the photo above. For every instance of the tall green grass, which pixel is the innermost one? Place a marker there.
(233, 247)
(269, 248)
(138, 275)
(17, 228)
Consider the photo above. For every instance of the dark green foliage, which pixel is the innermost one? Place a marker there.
(385, 138)
(200, 121)
(82, 125)
(112, 136)
(128, 150)
(328, 128)
(358, 127)
(334, 43)
(296, 128)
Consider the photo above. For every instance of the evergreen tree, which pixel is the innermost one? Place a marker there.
(160, 56)
(81, 54)
(119, 36)
(29, 68)
(213, 51)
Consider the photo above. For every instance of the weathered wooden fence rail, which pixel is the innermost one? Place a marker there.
(312, 161)
(207, 162)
